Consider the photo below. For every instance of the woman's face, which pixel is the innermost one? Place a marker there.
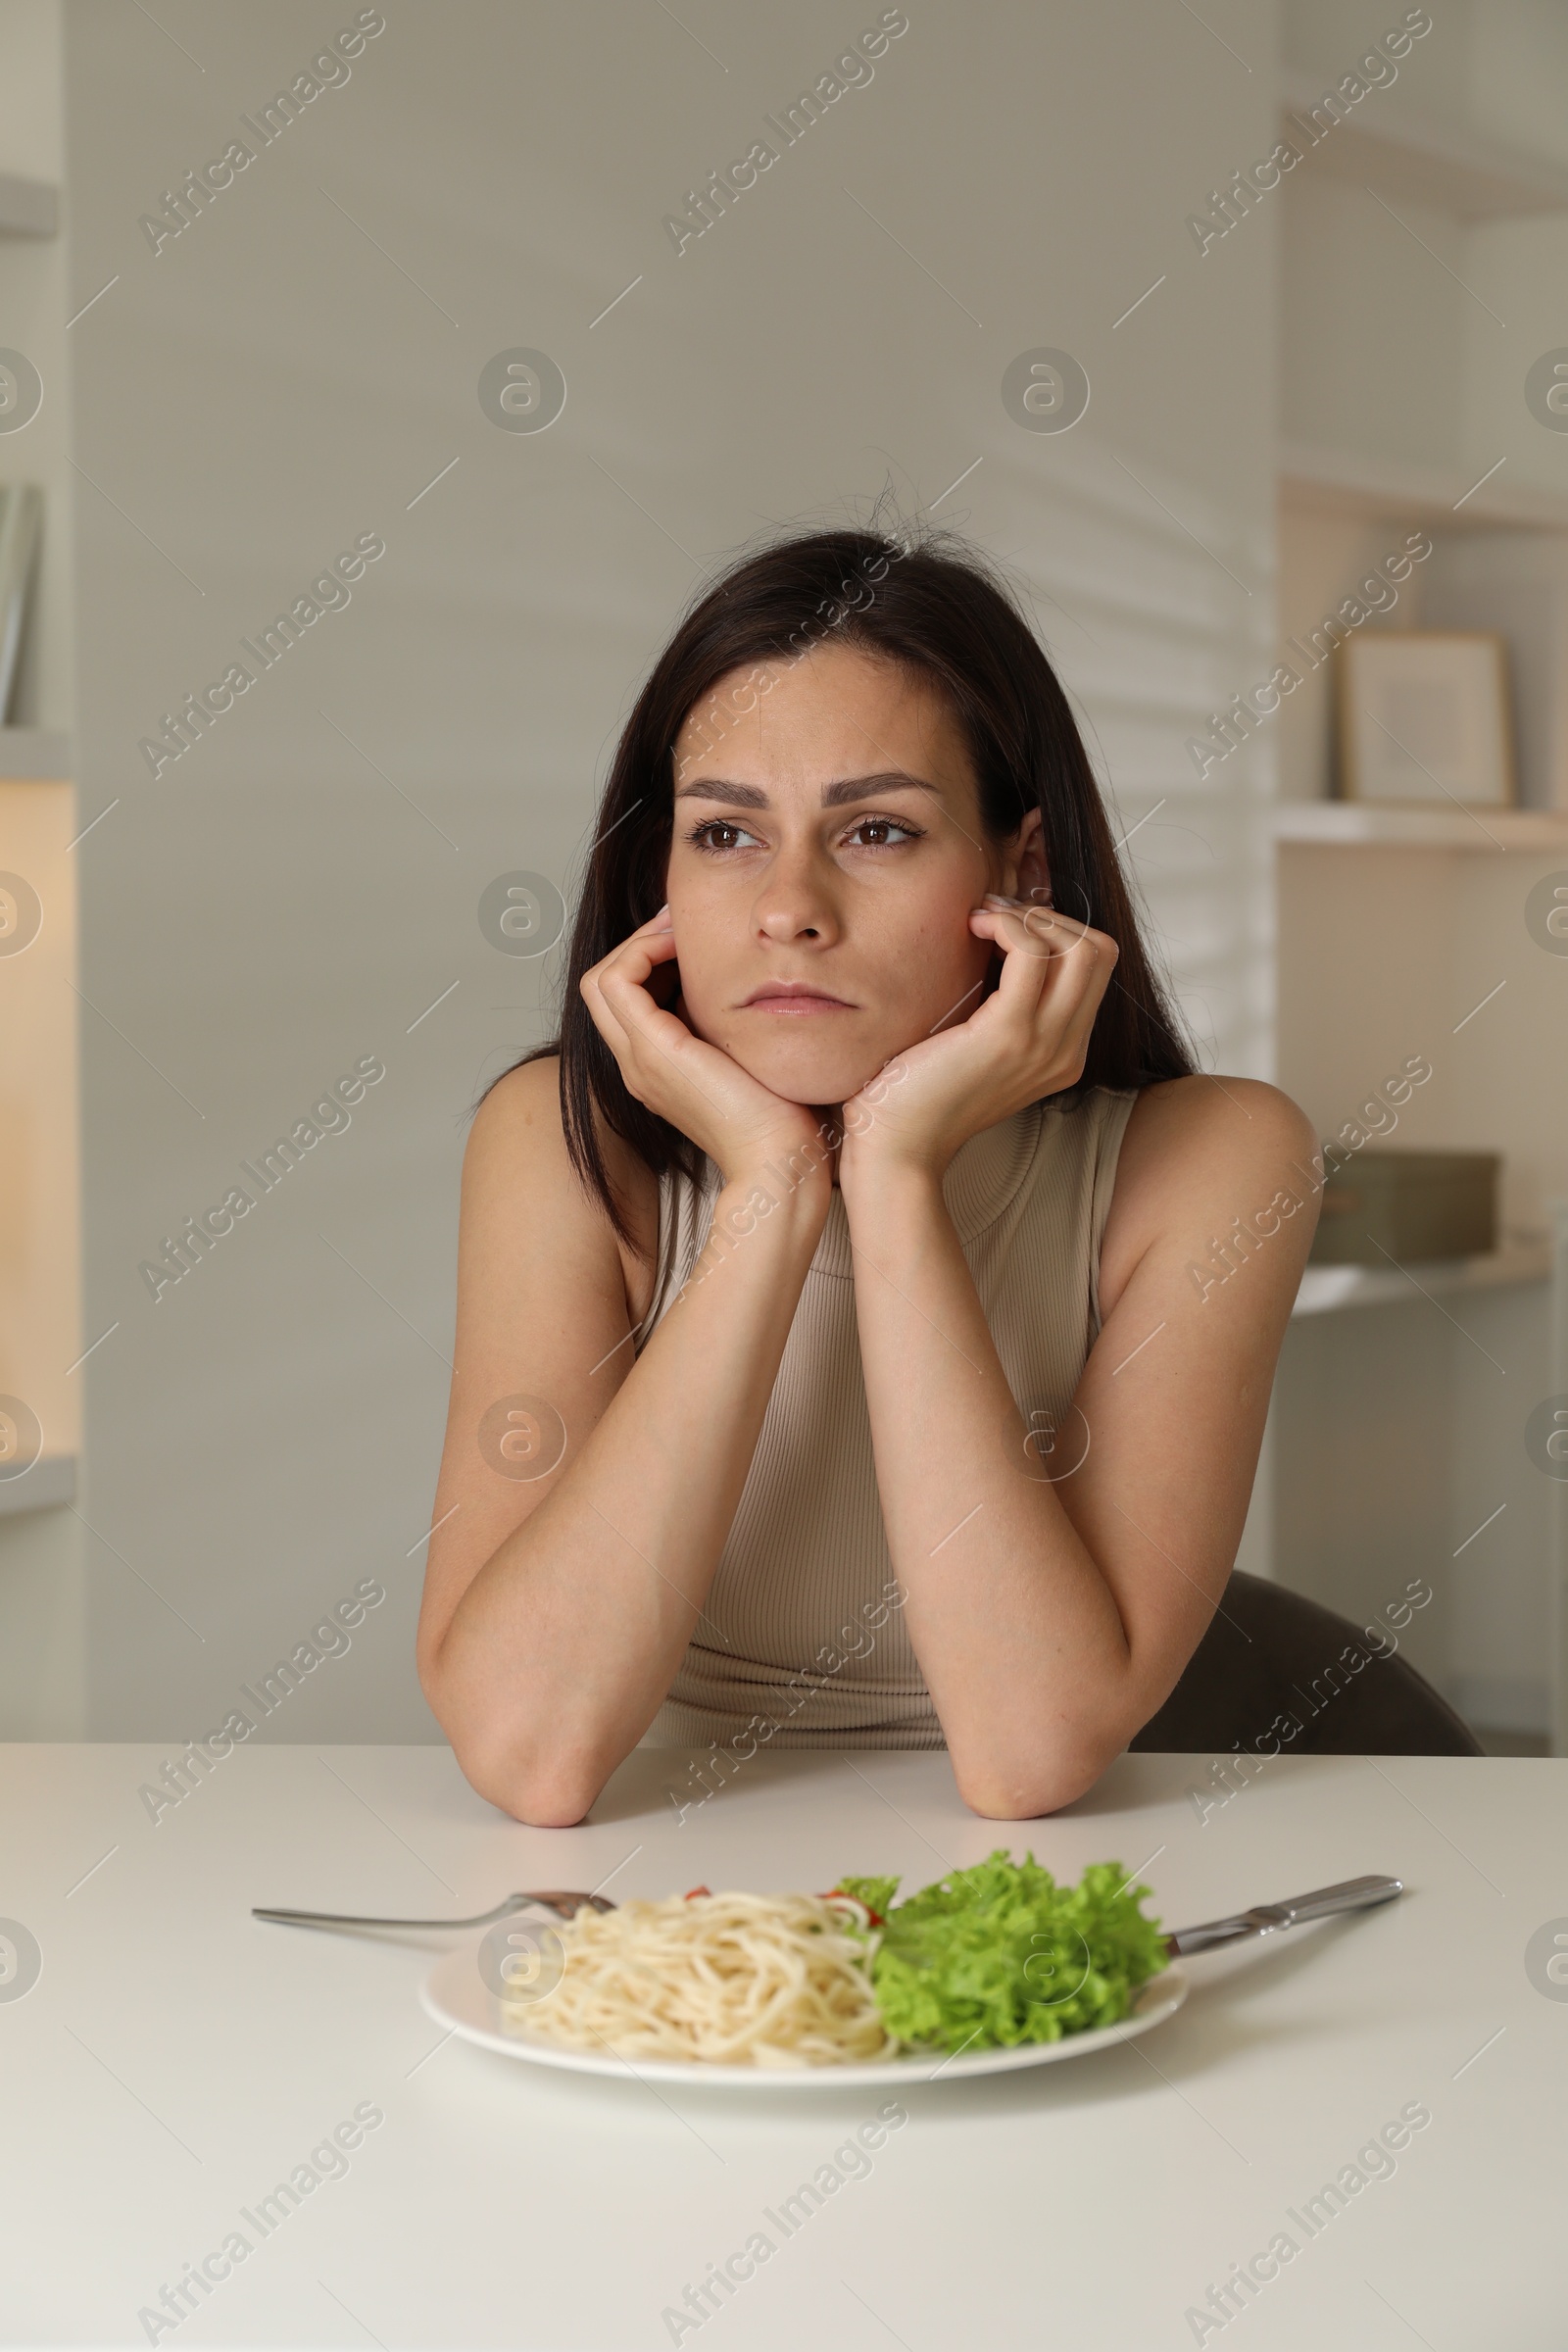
(827, 851)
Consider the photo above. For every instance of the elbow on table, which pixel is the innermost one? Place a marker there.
(1023, 1790)
(541, 1784)
(538, 1782)
(543, 1796)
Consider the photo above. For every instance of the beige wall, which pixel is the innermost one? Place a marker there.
(280, 378)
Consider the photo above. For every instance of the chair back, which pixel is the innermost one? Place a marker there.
(1272, 1660)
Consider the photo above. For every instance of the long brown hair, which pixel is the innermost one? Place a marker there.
(934, 604)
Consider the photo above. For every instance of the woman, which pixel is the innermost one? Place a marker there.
(842, 1359)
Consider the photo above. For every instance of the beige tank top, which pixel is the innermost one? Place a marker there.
(799, 1631)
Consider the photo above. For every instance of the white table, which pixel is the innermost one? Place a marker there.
(175, 2060)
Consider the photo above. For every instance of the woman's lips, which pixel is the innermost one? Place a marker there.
(796, 1004)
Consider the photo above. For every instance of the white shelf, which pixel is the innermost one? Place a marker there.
(35, 755)
(1374, 824)
(28, 208)
(1329, 1289)
(51, 1481)
(1336, 482)
(1425, 163)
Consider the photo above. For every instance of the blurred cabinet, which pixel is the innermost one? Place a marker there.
(1400, 1432)
(40, 1221)
(42, 1559)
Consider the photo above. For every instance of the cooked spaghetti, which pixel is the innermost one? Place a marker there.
(728, 1979)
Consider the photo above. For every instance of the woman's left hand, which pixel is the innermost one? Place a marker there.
(1027, 1039)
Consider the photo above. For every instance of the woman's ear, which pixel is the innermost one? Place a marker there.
(1027, 864)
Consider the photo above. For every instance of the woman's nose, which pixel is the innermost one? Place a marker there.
(794, 903)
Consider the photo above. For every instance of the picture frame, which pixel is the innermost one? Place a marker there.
(1424, 719)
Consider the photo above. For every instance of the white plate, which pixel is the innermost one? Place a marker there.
(455, 1996)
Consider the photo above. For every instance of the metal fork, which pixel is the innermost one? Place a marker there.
(563, 1903)
(1265, 1919)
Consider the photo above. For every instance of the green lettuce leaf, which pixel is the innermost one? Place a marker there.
(999, 1954)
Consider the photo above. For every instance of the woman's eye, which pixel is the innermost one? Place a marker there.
(879, 832)
(703, 837)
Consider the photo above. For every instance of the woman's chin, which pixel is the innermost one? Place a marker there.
(812, 1078)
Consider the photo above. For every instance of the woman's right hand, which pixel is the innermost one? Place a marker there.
(697, 1087)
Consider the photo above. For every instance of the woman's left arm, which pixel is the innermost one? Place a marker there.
(1054, 1600)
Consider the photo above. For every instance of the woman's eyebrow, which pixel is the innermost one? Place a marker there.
(715, 787)
(834, 796)
(861, 788)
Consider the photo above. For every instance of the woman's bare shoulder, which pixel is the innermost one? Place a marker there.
(517, 1145)
(1193, 1153)
(1200, 1112)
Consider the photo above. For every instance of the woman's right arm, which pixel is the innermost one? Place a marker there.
(557, 1607)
